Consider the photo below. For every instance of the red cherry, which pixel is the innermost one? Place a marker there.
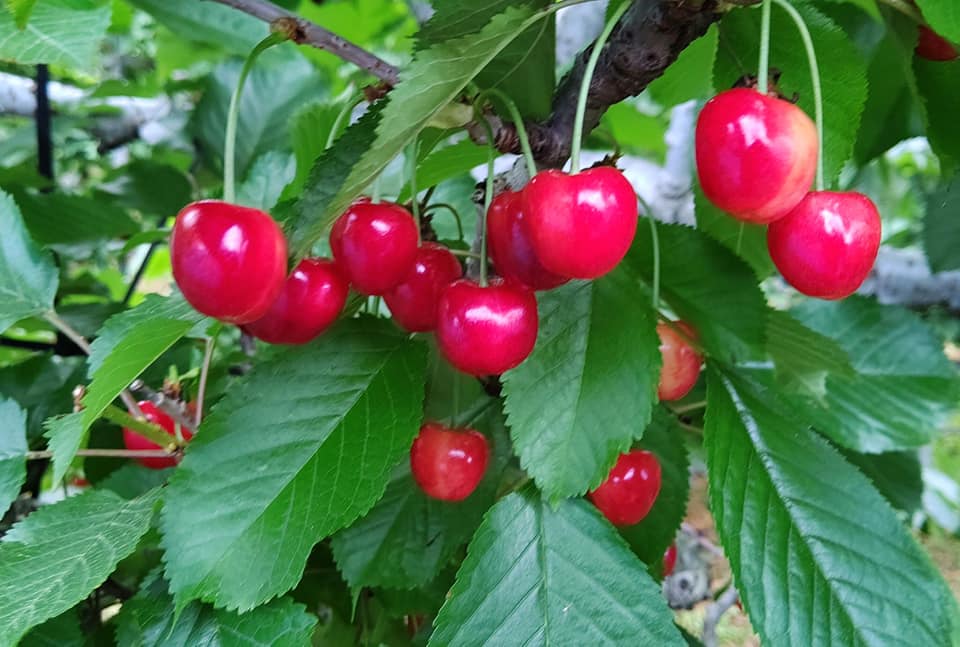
(133, 440)
(681, 363)
(669, 559)
(510, 245)
(229, 261)
(826, 246)
(756, 154)
(448, 464)
(486, 330)
(375, 245)
(630, 490)
(580, 225)
(413, 303)
(934, 47)
(311, 300)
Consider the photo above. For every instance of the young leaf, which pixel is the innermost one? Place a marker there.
(13, 451)
(28, 277)
(60, 32)
(904, 386)
(52, 559)
(829, 550)
(302, 446)
(587, 390)
(539, 575)
(707, 286)
(150, 619)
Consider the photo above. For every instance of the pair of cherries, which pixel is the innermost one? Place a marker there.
(756, 159)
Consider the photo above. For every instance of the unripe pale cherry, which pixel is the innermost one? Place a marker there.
(510, 245)
(133, 440)
(580, 225)
(934, 47)
(756, 154)
(827, 245)
(311, 300)
(486, 330)
(413, 303)
(448, 464)
(681, 362)
(229, 261)
(630, 490)
(375, 245)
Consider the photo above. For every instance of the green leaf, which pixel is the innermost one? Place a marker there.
(707, 286)
(265, 181)
(435, 77)
(691, 76)
(837, 566)
(445, 163)
(28, 276)
(538, 575)
(308, 135)
(13, 451)
(58, 218)
(149, 187)
(588, 389)
(803, 357)
(636, 132)
(940, 98)
(334, 417)
(904, 386)
(52, 559)
(62, 631)
(407, 538)
(650, 538)
(208, 22)
(943, 16)
(42, 386)
(897, 475)
(150, 619)
(132, 479)
(941, 228)
(21, 10)
(843, 81)
(748, 241)
(59, 32)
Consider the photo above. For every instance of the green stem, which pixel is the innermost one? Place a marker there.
(655, 240)
(815, 77)
(519, 125)
(151, 432)
(412, 174)
(453, 211)
(487, 198)
(341, 116)
(204, 374)
(464, 253)
(230, 140)
(763, 70)
(585, 84)
(375, 191)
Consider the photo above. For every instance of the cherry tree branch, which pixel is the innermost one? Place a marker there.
(304, 32)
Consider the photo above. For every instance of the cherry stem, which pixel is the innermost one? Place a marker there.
(815, 78)
(487, 198)
(763, 70)
(233, 113)
(375, 191)
(519, 125)
(204, 373)
(906, 9)
(453, 211)
(655, 240)
(465, 253)
(345, 112)
(585, 83)
(151, 432)
(412, 174)
(693, 406)
(105, 453)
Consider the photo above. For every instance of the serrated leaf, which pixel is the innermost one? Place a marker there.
(208, 22)
(303, 445)
(435, 77)
(837, 566)
(266, 179)
(58, 218)
(707, 286)
(28, 276)
(940, 98)
(21, 10)
(587, 390)
(843, 81)
(941, 228)
(309, 131)
(748, 241)
(904, 386)
(650, 538)
(803, 357)
(59, 32)
(539, 575)
(52, 559)
(406, 538)
(42, 386)
(943, 16)
(150, 619)
(896, 475)
(13, 451)
(691, 75)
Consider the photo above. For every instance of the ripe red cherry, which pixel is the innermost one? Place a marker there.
(413, 303)
(486, 330)
(448, 464)
(681, 363)
(510, 245)
(133, 440)
(229, 261)
(375, 244)
(630, 490)
(312, 299)
(756, 154)
(934, 47)
(669, 559)
(580, 225)
(826, 246)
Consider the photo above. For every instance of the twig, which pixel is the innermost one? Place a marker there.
(714, 612)
(106, 453)
(304, 32)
